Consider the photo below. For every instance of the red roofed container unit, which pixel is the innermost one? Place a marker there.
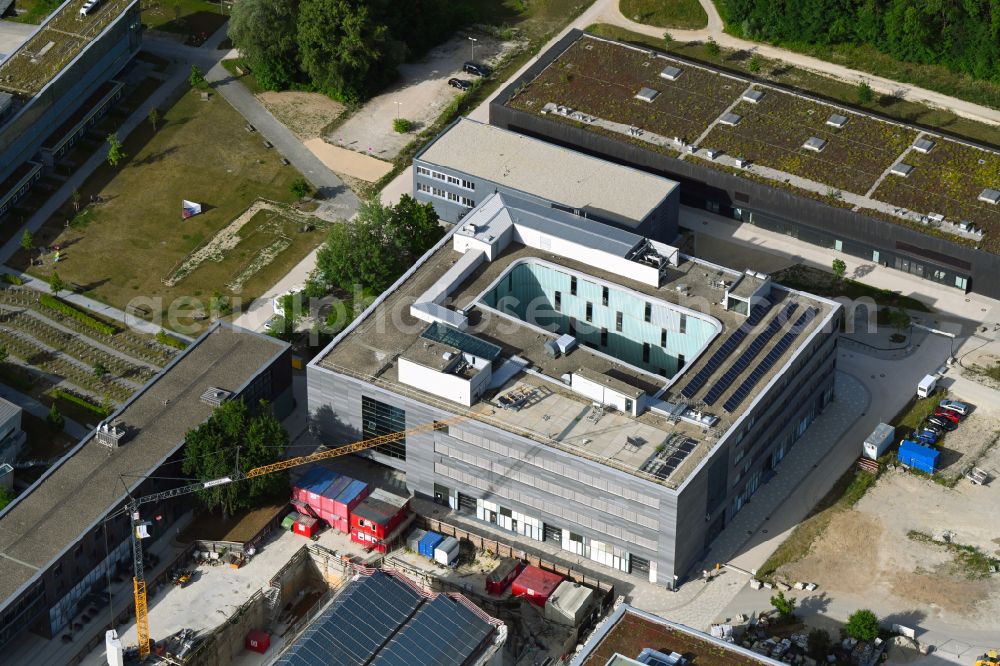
(328, 497)
(349, 498)
(505, 573)
(258, 641)
(305, 526)
(535, 585)
(376, 520)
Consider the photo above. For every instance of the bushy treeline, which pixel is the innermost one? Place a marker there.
(963, 35)
(348, 49)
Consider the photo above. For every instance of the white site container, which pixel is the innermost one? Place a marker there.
(446, 552)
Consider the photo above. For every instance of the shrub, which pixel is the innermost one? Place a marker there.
(755, 63)
(712, 48)
(864, 93)
(55, 419)
(862, 625)
(784, 605)
(839, 268)
(164, 339)
(196, 78)
(818, 644)
(300, 188)
(10, 278)
(402, 125)
(65, 308)
(82, 403)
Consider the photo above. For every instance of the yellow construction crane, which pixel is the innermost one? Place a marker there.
(139, 526)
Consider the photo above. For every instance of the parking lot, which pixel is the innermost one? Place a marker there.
(419, 96)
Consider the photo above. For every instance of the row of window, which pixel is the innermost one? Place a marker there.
(444, 194)
(554, 466)
(452, 180)
(377, 419)
(570, 516)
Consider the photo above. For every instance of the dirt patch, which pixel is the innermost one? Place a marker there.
(964, 446)
(305, 114)
(938, 588)
(347, 162)
(239, 528)
(848, 532)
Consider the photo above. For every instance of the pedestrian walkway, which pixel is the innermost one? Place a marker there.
(37, 409)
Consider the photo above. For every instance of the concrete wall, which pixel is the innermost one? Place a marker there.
(701, 184)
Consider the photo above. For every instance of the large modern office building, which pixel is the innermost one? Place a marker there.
(470, 160)
(843, 179)
(55, 547)
(57, 84)
(613, 395)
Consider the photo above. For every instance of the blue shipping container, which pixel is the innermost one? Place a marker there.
(309, 477)
(429, 543)
(337, 487)
(918, 457)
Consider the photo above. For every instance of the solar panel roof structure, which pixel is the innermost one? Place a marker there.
(448, 335)
(379, 619)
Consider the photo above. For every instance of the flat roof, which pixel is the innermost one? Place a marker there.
(395, 624)
(629, 631)
(59, 39)
(545, 170)
(84, 485)
(783, 135)
(555, 415)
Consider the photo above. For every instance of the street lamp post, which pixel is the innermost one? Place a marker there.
(473, 40)
(398, 104)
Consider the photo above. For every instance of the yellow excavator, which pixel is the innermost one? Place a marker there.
(991, 658)
(139, 527)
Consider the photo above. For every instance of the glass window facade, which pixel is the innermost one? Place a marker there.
(380, 419)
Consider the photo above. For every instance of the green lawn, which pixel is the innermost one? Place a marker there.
(34, 11)
(685, 14)
(823, 283)
(196, 19)
(834, 90)
(128, 245)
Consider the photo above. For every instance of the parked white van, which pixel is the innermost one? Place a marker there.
(926, 386)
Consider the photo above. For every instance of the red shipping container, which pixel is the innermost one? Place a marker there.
(305, 526)
(258, 641)
(351, 496)
(498, 579)
(535, 585)
(368, 541)
(379, 514)
(342, 525)
(328, 498)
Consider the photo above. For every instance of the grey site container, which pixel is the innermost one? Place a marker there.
(569, 604)
(413, 539)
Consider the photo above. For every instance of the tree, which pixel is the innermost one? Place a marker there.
(99, 370)
(862, 625)
(839, 268)
(712, 47)
(210, 452)
(55, 419)
(899, 319)
(56, 283)
(668, 39)
(402, 125)
(864, 93)
(6, 497)
(346, 51)
(27, 241)
(818, 644)
(196, 78)
(265, 32)
(300, 188)
(74, 198)
(115, 151)
(154, 117)
(784, 605)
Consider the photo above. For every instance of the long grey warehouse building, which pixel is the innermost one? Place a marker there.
(619, 398)
(56, 551)
(469, 161)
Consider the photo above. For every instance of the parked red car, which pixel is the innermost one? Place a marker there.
(948, 414)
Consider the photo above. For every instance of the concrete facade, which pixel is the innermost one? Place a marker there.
(454, 192)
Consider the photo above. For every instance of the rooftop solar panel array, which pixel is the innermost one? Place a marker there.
(731, 343)
(741, 393)
(676, 449)
(442, 632)
(749, 354)
(380, 620)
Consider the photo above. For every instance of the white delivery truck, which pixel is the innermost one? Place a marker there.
(880, 440)
(926, 386)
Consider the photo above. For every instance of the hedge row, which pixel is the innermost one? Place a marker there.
(10, 278)
(70, 311)
(170, 340)
(82, 403)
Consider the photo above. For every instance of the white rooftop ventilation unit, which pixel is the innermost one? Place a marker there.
(836, 120)
(989, 195)
(901, 169)
(110, 435)
(671, 73)
(566, 343)
(753, 96)
(923, 145)
(815, 144)
(215, 396)
(647, 94)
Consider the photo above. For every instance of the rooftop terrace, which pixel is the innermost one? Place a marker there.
(80, 489)
(663, 443)
(63, 36)
(770, 134)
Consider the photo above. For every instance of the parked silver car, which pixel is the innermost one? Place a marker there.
(962, 408)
